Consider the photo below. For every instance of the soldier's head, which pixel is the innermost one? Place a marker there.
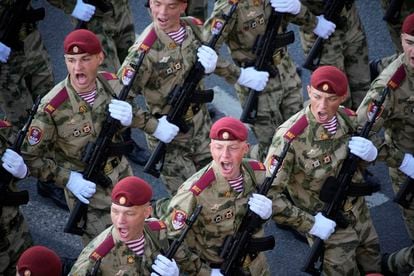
(83, 56)
(166, 13)
(130, 207)
(228, 145)
(39, 261)
(327, 90)
(407, 39)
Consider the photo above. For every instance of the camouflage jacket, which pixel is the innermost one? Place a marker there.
(313, 156)
(397, 113)
(120, 260)
(223, 208)
(68, 5)
(240, 34)
(165, 66)
(64, 125)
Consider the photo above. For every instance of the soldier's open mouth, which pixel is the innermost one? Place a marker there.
(227, 167)
(322, 116)
(81, 78)
(123, 232)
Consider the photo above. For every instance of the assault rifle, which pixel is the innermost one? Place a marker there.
(181, 97)
(96, 154)
(237, 247)
(7, 197)
(331, 12)
(405, 195)
(103, 6)
(341, 184)
(11, 21)
(264, 50)
(393, 12)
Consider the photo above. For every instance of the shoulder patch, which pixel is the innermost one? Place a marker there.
(5, 124)
(156, 225)
(203, 182)
(349, 112)
(102, 249)
(54, 103)
(108, 75)
(297, 128)
(257, 165)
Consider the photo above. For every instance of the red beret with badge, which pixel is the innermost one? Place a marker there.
(408, 25)
(39, 261)
(131, 191)
(329, 79)
(228, 129)
(82, 41)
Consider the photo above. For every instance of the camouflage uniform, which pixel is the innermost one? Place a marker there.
(398, 122)
(14, 232)
(197, 8)
(120, 260)
(314, 155)
(59, 133)
(346, 49)
(223, 210)
(402, 261)
(115, 29)
(282, 96)
(165, 66)
(27, 73)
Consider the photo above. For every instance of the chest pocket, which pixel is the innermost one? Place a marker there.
(168, 67)
(254, 23)
(218, 215)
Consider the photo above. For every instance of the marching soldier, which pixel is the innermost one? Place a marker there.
(69, 117)
(175, 50)
(322, 140)
(226, 188)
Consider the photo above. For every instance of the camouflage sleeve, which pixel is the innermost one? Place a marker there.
(66, 5)
(189, 262)
(305, 18)
(142, 118)
(284, 212)
(224, 68)
(38, 149)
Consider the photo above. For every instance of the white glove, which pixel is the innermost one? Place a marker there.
(164, 267)
(14, 164)
(253, 79)
(80, 187)
(363, 148)
(215, 272)
(323, 227)
(83, 11)
(324, 28)
(122, 111)
(286, 6)
(4, 52)
(208, 58)
(165, 131)
(261, 205)
(407, 165)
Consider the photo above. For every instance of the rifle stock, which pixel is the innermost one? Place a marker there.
(181, 99)
(7, 197)
(236, 247)
(264, 49)
(96, 155)
(405, 194)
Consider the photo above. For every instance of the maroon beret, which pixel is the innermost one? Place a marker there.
(228, 128)
(408, 25)
(82, 41)
(329, 79)
(40, 261)
(131, 191)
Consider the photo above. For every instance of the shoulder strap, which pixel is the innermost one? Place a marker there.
(102, 249)
(148, 41)
(156, 225)
(398, 77)
(56, 101)
(5, 124)
(204, 181)
(297, 128)
(256, 165)
(108, 75)
(349, 112)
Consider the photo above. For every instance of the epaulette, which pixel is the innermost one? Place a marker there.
(396, 79)
(297, 128)
(204, 181)
(349, 112)
(54, 103)
(102, 249)
(148, 41)
(108, 75)
(5, 124)
(257, 165)
(196, 21)
(156, 225)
